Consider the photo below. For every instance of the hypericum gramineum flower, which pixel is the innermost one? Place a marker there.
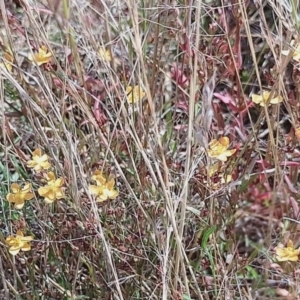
(7, 62)
(217, 176)
(104, 54)
(104, 189)
(19, 195)
(134, 94)
(18, 242)
(288, 253)
(42, 57)
(296, 51)
(53, 189)
(218, 149)
(262, 99)
(39, 161)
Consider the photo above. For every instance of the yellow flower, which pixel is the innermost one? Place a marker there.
(216, 173)
(262, 99)
(53, 189)
(288, 253)
(19, 196)
(296, 53)
(135, 94)
(42, 57)
(18, 242)
(104, 54)
(39, 161)
(104, 189)
(7, 62)
(218, 149)
(297, 133)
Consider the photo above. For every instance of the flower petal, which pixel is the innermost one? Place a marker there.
(37, 152)
(27, 187)
(14, 250)
(59, 182)
(224, 141)
(257, 98)
(94, 190)
(15, 188)
(19, 205)
(26, 247)
(43, 191)
(28, 196)
(10, 198)
(50, 176)
(48, 200)
(27, 239)
(112, 194)
(110, 184)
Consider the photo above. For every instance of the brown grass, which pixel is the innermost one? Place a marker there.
(174, 232)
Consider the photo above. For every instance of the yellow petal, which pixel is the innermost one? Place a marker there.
(30, 163)
(128, 89)
(27, 239)
(266, 95)
(99, 178)
(14, 250)
(257, 98)
(213, 169)
(276, 100)
(51, 195)
(112, 194)
(50, 176)
(37, 152)
(110, 184)
(222, 157)
(48, 200)
(45, 165)
(94, 190)
(59, 182)
(28, 196)
(27, 187)
(19, 205)
(101, 198)
(224, 141)
(59, 194)
(104, 54)
(10, 240)
(15, 188)
(20, 233)
(43, 191)
(10, 198)
(26, 247)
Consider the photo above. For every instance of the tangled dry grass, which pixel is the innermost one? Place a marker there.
(189, 222)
